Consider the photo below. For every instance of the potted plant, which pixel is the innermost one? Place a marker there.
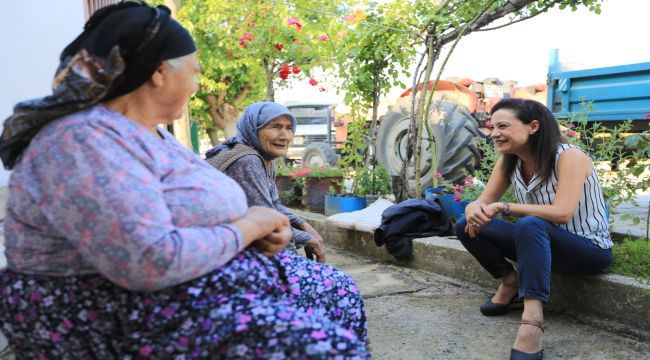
(290, 188)
(371, 182)
(319, 180)
(453, 198)
(337, 203)
(368, 184)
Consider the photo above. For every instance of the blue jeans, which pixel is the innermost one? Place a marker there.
(537, 246)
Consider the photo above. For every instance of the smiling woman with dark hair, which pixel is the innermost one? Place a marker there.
(122, 243)
(562, 227)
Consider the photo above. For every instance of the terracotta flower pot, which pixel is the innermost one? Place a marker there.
(316, 189)
(287, 186)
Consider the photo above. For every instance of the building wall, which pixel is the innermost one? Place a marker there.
(32, 34)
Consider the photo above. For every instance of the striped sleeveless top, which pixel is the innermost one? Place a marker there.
(589, 220)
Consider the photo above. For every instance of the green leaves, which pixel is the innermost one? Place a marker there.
(616, 153)
(242, 45)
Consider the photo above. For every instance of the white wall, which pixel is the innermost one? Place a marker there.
(32, 35)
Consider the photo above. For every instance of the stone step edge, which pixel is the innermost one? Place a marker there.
(627, 303)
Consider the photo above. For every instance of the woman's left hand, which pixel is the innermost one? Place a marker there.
(494, 208)
(274, 242)
(314, 248)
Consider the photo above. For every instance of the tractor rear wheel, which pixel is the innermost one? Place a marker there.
(454, 133)
(319, 154)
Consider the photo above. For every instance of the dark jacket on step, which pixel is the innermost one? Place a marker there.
(410, 219)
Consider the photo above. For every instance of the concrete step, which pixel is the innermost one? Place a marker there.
(614, 302)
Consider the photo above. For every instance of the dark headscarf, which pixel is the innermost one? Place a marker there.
(255, 117)
(119, 50)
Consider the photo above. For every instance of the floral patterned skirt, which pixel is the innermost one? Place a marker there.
(253, 307)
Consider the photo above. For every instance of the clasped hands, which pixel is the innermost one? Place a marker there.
(479, 214)
(273, 228)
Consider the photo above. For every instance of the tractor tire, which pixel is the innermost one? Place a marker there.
(454, 132)
(319, 154)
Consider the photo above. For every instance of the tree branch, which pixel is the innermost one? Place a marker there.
(509, 8)
(213, 110)
(221, 98)
(242, 95)
(545, 9)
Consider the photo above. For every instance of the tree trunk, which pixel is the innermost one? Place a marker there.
(269, 73)
(213, 134)
(370, 160)
(224, 116)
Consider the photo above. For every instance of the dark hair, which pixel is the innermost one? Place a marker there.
(543, 142)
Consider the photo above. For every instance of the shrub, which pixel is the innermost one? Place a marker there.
(632, 258)
(371, 180)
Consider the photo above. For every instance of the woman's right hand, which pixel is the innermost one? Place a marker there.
(476, 216)
(261, 222)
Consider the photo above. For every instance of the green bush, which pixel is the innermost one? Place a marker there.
(632, 258)
(372, 180)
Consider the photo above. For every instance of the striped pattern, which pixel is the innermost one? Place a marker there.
(590, 218)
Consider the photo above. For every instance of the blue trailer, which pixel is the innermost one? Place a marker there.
(617, 93)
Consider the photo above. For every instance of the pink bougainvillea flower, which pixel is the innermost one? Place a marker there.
(355, 16)
(251, 24)
(438, 175)
(571, 133)
(295, 70)
(313, 82)
(488, 123)
(294, 22)
(278, 46)
(324, 37)
(244, 38)
(349, 18)
(300, 173)
(322, 89)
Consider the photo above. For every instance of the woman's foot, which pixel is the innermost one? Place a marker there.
(504, 299)
(529, 338)
(505, 293)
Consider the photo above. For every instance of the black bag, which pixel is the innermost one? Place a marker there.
(410, 219)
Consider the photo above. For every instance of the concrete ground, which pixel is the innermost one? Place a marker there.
(417, 315)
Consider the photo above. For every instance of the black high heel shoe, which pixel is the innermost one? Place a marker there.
(490, 308)
(520, 355)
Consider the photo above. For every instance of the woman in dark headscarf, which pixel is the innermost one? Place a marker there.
(264, 133)
(121, 243)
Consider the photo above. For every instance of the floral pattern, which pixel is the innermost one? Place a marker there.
(119, 247)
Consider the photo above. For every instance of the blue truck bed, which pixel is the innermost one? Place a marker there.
(617, 93)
